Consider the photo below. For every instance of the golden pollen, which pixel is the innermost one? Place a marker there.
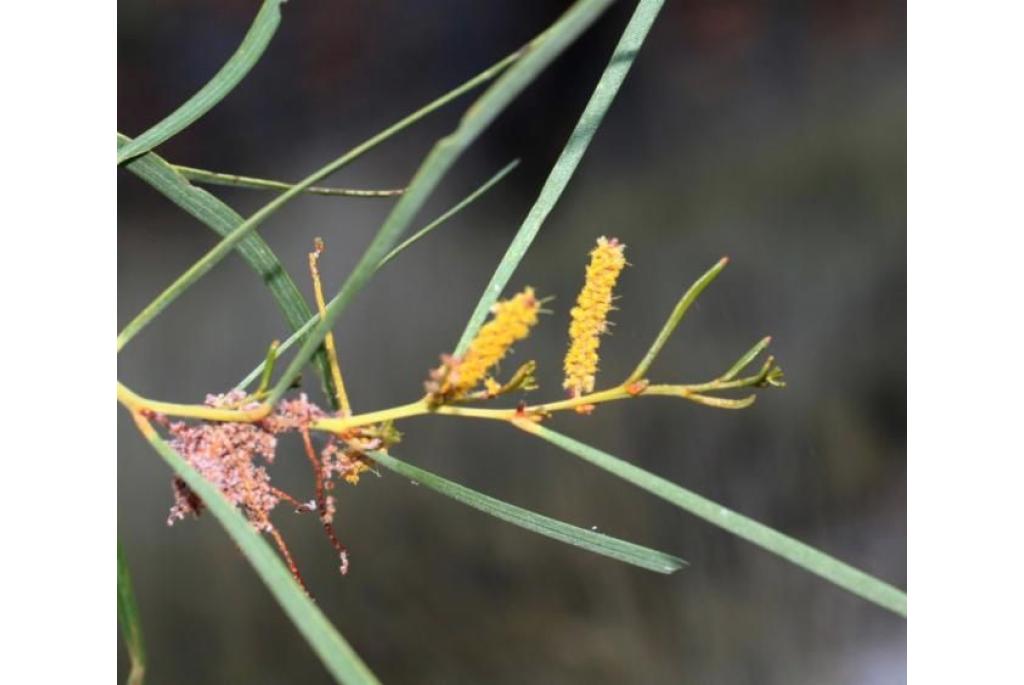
(511, 322)
(590, 315)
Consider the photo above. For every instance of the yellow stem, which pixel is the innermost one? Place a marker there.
(340, 424)
(332, 352)
(136, 403)
(421, 407)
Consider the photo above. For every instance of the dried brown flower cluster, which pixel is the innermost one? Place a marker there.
(293, 415)
(228, 455)
(225, 454)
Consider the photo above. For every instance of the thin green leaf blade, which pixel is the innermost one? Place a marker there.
(748, 356)
(128, 618)
(674, 319)
(223, 82)
(217, 178)
(592, 541)
(334, 651)
(537, 56)
(222, 220)
(790, 549)
(600, 101)
(455, 209)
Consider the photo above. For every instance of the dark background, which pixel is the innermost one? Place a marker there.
(771, 132)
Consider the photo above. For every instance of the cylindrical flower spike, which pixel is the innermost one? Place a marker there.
(590, 315)
(511, 322)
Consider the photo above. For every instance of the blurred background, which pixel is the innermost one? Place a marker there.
(770, 132)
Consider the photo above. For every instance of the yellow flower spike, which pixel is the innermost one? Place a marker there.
(511, 322)
(590, 316)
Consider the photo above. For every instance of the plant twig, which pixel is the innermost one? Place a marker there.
(770, 374)
(321, 501)
(332, 352)
(275, 535)
(238, 181)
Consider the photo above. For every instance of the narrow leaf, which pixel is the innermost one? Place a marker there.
(224, 81)
(748, 356)
(674, 319)
(589, 540)
(794, 551)
(128, 617)
(722, 402)
(537, 56)
(601, 99)
(465, 202)
(340, 659)
(217, 178)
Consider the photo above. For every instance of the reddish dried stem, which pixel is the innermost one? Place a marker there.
(321, 500)
(284, 496)
(318, 473)
(289, 560)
